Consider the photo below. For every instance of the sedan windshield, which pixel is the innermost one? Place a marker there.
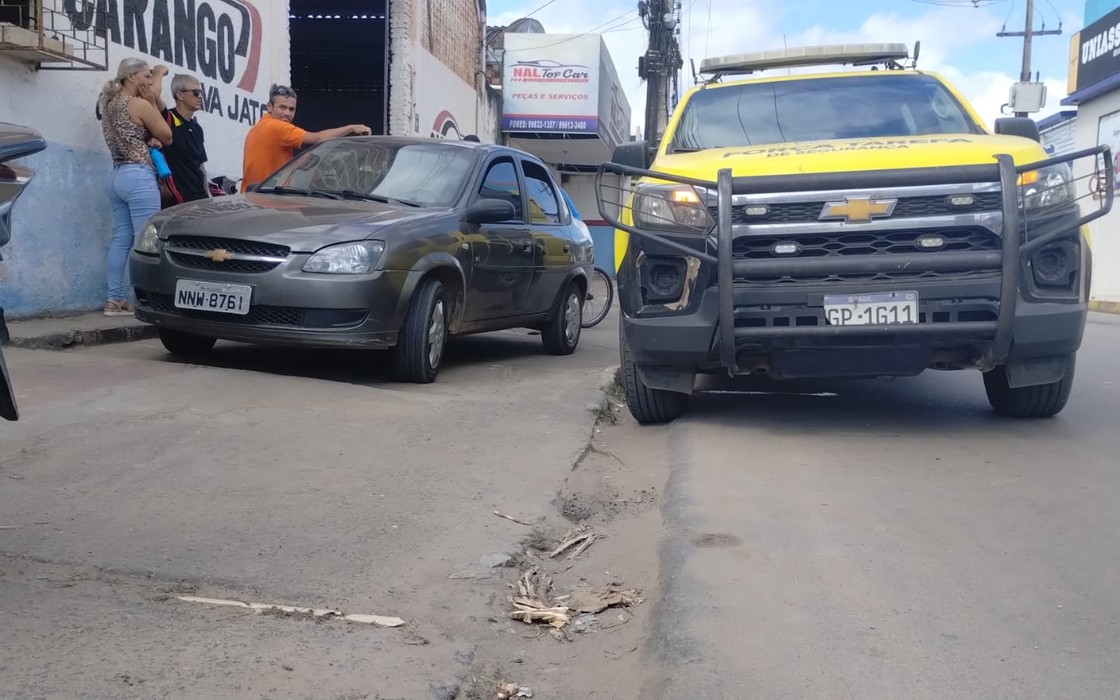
(417, 174)
(868, 106)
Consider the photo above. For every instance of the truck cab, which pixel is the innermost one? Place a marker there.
(860, 222)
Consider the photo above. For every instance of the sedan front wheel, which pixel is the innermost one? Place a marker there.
(419, 350)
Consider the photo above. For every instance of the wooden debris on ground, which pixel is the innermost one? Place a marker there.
(532, 603)
(581, 537)
(507, 691)
(512, 519)
(585, 599)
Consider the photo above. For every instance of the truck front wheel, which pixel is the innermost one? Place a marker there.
(646, 404)
(1038, 401)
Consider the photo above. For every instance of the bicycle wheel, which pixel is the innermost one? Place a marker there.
(600, 296)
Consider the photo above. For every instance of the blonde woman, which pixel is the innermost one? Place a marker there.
(129, 121)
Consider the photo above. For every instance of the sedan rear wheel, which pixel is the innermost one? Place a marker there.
(185, 344)
(561, 334)
(419, 351)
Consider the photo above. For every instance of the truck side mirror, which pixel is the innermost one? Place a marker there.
(1018, 126)
(634, 154)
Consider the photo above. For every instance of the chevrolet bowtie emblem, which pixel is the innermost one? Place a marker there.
(858, 209)
(218, 255)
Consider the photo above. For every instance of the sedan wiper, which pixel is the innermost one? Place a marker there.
(367, 197)
(281, 189)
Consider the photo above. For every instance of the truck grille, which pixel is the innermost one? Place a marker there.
(801, 212)
(864, 243)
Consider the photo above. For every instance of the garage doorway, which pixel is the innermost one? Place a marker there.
(340, 62)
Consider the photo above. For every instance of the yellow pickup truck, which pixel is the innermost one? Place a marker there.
(860, 222)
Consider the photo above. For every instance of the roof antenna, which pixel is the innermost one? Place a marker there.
(917, 50)
(785, 45)
(695, 75)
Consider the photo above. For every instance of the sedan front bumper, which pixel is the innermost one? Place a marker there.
(286, 307)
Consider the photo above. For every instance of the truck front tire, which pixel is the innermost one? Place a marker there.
(647, 405)
(1038, 401)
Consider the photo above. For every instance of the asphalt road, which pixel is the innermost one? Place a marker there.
(892, 539)
(883, 539)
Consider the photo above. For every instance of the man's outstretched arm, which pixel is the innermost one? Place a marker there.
(313, 137)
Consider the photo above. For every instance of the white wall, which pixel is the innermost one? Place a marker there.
(56, 261)
(1105, 231)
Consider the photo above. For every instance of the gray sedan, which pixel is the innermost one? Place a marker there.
(380, 242)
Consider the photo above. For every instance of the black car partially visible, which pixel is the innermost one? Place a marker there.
(15, 142)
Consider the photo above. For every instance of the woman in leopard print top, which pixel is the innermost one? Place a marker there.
(130, 121)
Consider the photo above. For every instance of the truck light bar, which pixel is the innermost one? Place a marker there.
(832, 54)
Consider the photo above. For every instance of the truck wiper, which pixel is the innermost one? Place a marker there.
(281, 189)
(367, 197)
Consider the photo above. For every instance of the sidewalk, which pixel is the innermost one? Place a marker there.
(1104, 306)
(61, 333)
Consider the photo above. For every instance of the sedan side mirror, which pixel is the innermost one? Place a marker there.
(489, 210)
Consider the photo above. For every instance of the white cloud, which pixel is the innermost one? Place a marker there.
(754, 25)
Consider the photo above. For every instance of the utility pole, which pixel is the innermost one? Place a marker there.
(1027, 33)
(661, 60)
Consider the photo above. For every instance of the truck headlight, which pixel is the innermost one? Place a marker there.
(346, 258)
(677, 208)
(148, 240)
(1047, 187)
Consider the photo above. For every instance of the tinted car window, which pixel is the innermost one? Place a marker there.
(501, 183)
(544, 205)
(819, 109)
(431, 174)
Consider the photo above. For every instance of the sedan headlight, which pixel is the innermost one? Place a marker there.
(1047, 187)
(148, 240)
(347, 258)
(677, 208)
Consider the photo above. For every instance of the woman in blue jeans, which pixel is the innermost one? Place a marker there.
(129, 121)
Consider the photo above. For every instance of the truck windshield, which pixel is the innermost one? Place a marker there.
(868, 106)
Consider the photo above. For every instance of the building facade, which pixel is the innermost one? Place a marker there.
(1094, 89)
(403, 67)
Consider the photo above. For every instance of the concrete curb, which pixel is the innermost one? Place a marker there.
(1104, 307)
(63, 340)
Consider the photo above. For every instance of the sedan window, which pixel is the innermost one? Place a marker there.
(417, 173)
(501, 183)
(544, 205)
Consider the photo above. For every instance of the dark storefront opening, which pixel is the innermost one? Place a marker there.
(340, 62)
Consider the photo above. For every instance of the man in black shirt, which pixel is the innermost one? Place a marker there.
(186, 156)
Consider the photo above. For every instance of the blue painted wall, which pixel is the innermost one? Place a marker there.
(55, 262)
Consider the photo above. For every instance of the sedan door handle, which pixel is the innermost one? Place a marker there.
(567, 247)
(527, 246)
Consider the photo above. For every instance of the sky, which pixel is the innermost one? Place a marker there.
(957, 40)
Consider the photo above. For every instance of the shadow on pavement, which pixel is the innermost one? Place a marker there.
(936, 404)
(369, 367)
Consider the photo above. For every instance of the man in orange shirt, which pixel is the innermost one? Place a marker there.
(273, 139)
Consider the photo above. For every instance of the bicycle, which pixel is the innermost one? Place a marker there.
(600, 290)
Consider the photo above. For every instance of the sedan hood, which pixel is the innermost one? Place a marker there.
(304, 224)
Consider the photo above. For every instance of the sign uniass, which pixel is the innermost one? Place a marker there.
(1098, 51)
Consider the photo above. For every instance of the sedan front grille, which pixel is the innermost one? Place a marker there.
(244, 266)
(257, 316)
(233, 245)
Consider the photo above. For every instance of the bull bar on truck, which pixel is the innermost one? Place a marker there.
(1019, 240)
